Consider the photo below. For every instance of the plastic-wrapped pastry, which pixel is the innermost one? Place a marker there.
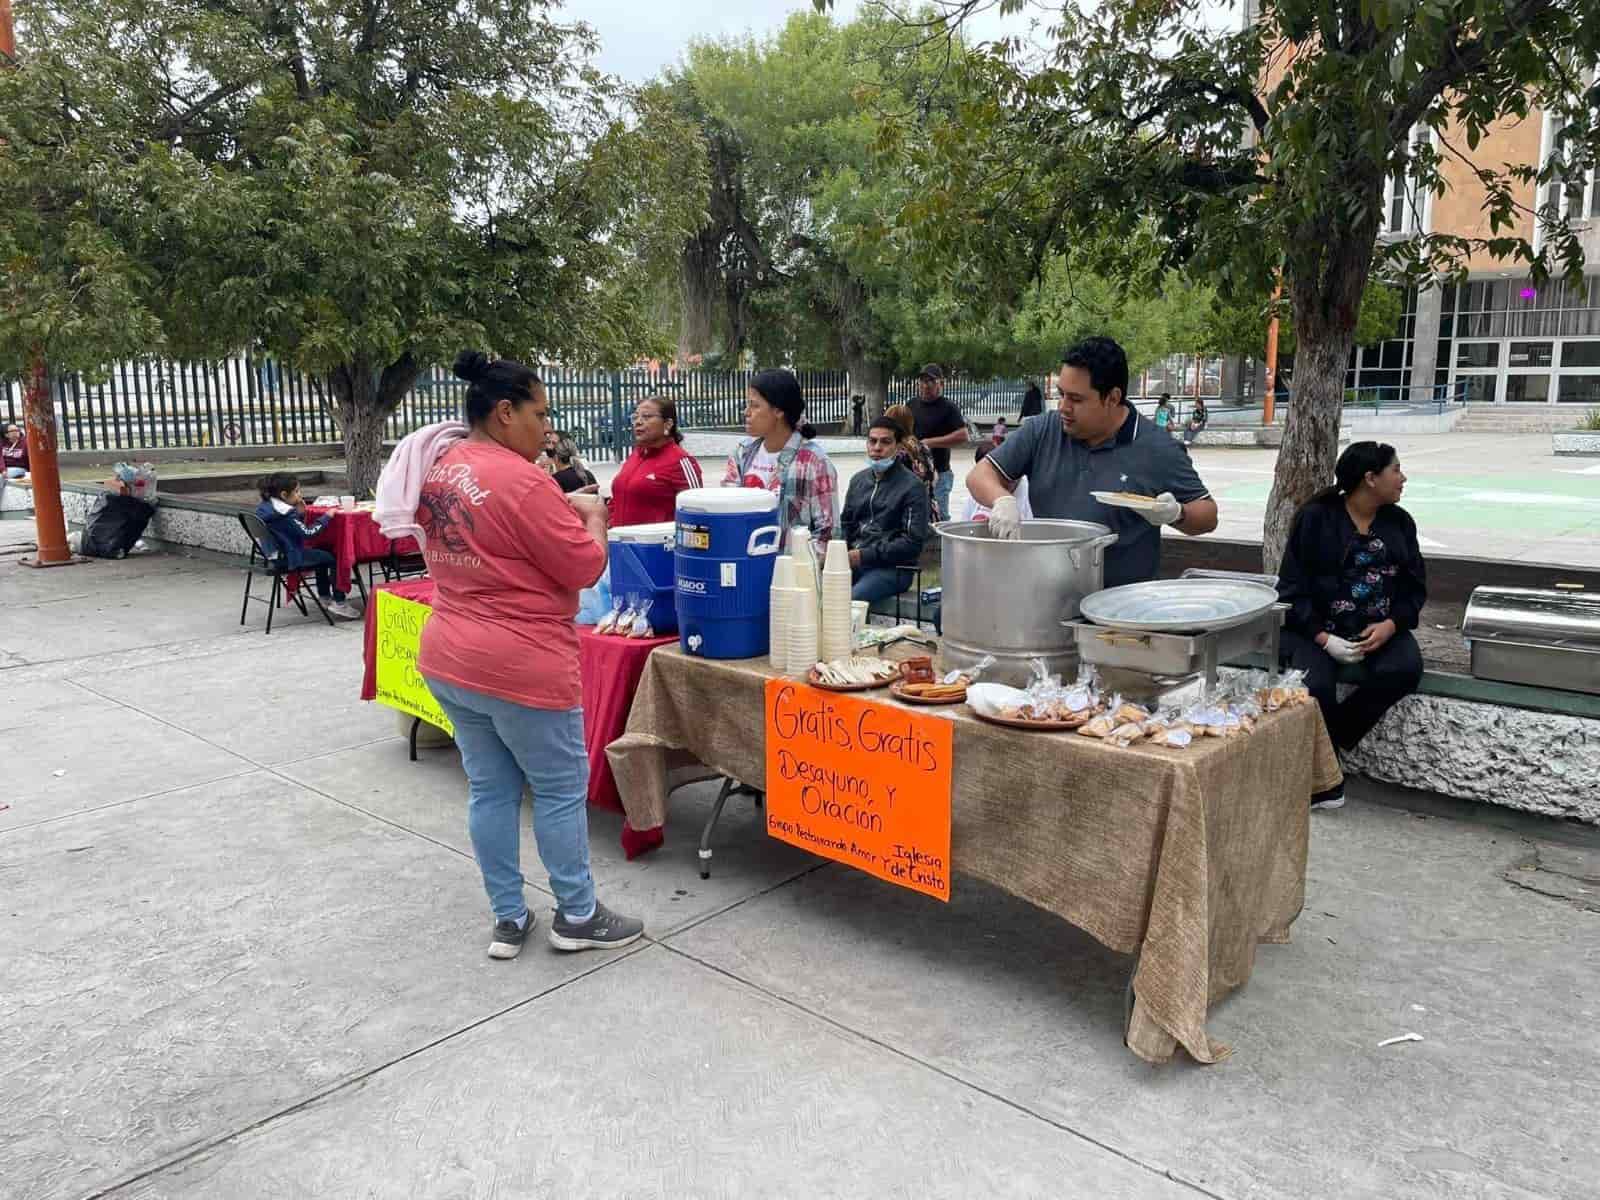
(640, 626)
(608, 623)
(1126, 734)
(1129, 713)
(1175, 737)
(1099, 727)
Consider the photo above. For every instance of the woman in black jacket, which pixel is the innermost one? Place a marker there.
(1353, 576)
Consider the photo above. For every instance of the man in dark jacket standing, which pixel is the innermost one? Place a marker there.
(885, 518)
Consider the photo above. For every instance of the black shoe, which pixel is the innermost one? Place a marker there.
(1332, 798)
(509, 937)
(605, 930)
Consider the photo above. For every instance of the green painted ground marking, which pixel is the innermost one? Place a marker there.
(1546, 503)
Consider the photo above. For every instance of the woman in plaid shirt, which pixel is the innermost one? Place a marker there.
(781, 456)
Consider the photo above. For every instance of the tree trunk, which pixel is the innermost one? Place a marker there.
(701, 286)
(1326, 279)
(364, 400)
(869, 378)
(1310, 436)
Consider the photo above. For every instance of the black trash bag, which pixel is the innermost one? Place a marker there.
(115, 523)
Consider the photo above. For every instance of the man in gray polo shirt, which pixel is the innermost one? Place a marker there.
(1097, 442)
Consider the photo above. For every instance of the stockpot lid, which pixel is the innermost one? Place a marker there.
(1035, 532)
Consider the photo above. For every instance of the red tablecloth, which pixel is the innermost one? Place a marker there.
(610, 668)
(354, 537)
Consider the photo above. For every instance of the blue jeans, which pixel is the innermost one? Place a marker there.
(878, 583)
(321, 561)
(943, 483)
(15, 472)
(502, 745)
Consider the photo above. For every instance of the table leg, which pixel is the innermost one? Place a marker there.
(730, 787)
(416, 724)
(705, 835)
(1141, 1033)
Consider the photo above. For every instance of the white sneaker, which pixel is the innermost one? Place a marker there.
(343, 610)
(1328, 800)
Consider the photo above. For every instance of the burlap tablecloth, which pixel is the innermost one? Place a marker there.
(1187, 858)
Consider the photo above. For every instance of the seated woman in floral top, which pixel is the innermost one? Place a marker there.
(1353, 576)
(781, 456)
(915, 457)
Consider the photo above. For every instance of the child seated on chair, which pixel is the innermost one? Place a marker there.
(283, 511)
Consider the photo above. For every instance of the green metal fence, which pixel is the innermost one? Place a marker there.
(245, 401)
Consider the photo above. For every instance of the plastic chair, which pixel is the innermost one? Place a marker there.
(272, 565)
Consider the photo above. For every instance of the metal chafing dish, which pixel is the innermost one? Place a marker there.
(1148, 662)
(1534, 636)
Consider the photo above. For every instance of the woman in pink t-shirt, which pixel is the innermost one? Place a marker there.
(508, 554)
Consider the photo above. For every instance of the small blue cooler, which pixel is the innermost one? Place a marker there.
(641, 565)
(727, 542)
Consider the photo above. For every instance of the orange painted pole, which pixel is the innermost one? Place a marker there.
(1268, 403)
(39, 413)
(50, 523)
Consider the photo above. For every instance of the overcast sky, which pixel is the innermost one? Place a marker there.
(640, 37)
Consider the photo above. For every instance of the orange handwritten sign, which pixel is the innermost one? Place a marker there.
(865, 784)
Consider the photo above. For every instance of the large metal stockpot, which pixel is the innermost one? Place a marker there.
(1011, 599)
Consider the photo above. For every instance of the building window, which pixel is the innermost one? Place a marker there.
(1530, 354)
(1579, 389)
(1527, 389)
(1405, 205)
(1382, 372)
(1580, 354)
(1573, 196)
(1517, 308)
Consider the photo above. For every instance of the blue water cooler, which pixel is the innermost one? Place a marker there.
(727, 542)
(641, 561)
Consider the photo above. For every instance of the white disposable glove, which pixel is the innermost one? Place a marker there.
(1165, 511)
(1005, 519)
(1342, 651)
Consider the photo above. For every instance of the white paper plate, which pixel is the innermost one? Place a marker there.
(1125, 500)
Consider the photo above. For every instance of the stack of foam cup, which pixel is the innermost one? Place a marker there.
(802, 631)
(803, 552)
(837, 641)
(779, 603)
(804, 627)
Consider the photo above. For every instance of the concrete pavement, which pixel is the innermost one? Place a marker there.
(243, 944)
(1477, 495)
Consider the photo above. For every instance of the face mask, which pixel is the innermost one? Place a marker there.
(880, 465)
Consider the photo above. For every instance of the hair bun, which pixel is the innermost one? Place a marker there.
(471, 365)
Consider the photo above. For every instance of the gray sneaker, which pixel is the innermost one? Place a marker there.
(508, 936)
(605, 930)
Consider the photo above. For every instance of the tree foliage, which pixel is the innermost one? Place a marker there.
(1240, 328)
(359, 186)
(1246, 151)
(799, 261)
(786, 264)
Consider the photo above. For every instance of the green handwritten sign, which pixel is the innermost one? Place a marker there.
(400, 686)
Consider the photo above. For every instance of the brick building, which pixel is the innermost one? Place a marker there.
(1496, 338)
